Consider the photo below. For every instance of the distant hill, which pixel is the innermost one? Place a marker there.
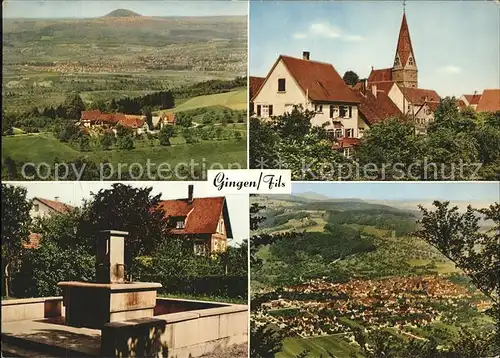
(122, 13)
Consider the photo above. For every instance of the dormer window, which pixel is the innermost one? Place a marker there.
(281, 85)
(179, 224)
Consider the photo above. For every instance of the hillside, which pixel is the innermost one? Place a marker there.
(122, 13)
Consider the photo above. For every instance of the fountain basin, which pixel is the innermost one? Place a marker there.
(93, 305)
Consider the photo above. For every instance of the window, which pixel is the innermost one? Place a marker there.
(334, 111)
(349, 133)
(410, 61)
(396, 61)
(281, 85)
(343, 111)
(36, 207)
(179, 224)
(220, 226)
(361, 130)
(428, 111)
(348, 152)
(199, 248)
(318, 108)
(259, 110)
(265, 111)
(338, 133)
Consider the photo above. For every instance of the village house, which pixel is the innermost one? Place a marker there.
(206, 220)
(316, 86)
(489, 101)
(42, 208)
(95, 119)
(167, 118)
(469, 100)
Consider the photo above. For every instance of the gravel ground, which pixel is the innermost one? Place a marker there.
(237, 351)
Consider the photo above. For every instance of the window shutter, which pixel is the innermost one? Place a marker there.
(331, 111)
(251, 108)
(258, 110)
(350, 111)
(270, 110)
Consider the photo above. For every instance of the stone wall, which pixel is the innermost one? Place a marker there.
(32, 308)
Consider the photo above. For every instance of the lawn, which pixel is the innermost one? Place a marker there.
(317, 346)
(205, 153)
(233, 100)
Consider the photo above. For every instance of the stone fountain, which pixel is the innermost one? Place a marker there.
(110, 298)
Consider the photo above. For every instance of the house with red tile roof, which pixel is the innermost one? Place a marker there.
(40, 208)
(206, 220)
(167, 118)
(96, 119)
(489, 101)
(469, 100)
(43, 207)
(254, 85)
(315, 86)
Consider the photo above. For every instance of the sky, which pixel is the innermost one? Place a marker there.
(86, 9)
(485, 192)
(456, 43)
(74, 192)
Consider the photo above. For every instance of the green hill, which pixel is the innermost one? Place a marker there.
(233, 100)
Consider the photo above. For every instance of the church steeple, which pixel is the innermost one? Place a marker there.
(405, 71)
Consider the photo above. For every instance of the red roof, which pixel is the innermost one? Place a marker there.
(382, 75)
(346, 143)
(55, 205)
(319, 80)
(202, 214)
(404, 48)
(170, 117)
(97, 115)
(131, 121)
(33, 241)
(472, 98)
(376, 109)
(418, 96)
(490, 101)
(255, 84)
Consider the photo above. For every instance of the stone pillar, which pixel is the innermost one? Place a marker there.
(110, 258)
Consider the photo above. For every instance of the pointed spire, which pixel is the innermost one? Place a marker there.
(404, 48)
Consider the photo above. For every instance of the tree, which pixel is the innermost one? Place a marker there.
(165, 134)
(458, 237)
(126, 142)
(107, 140)
(264, 341)
(183, 120)
(84, 143)
(16, 221)
(134, 210)
(147, 112)
(74, 106)
(388, 143)
(350, 78)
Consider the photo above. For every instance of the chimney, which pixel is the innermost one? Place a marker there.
(306, 55)
(374, 90)
(190, 193)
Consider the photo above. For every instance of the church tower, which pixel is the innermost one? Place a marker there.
(404, 70)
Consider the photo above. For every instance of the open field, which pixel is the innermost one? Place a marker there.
(317, 346)
(236, 100)
(48, 149)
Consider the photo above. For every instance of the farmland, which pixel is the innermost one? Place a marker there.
(363, 270)
(124, 56)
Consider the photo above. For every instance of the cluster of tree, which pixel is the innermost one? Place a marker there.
(457, 143)
(67, 245)
(403, 223)
(453, 137)
(210, 87)
(291, 142)
(37, 119)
